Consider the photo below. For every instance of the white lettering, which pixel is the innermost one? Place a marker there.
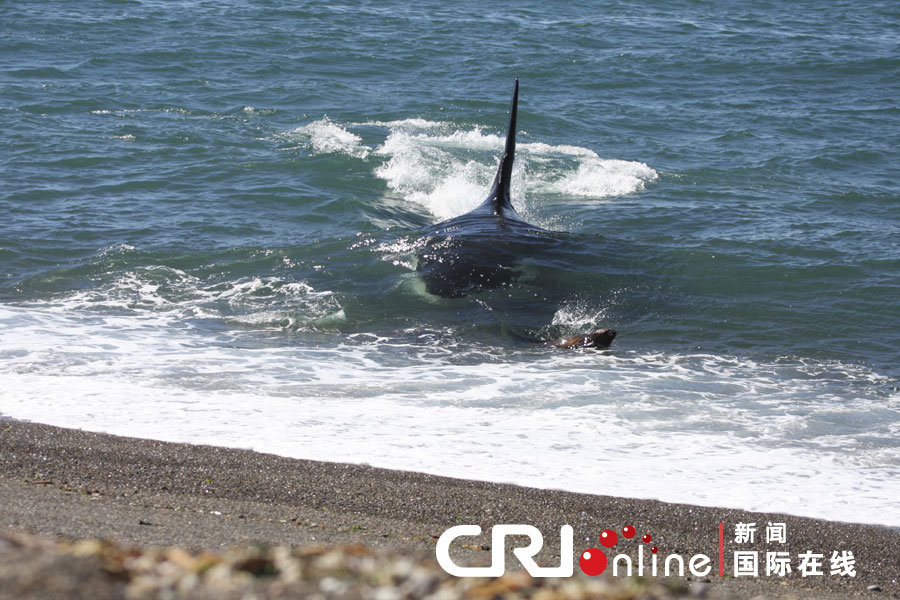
(498, 551)
(698, 562)
(678, 559)
(616, 564)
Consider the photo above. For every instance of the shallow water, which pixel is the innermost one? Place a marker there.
(212, 216)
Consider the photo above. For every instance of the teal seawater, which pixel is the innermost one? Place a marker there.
(257, 173)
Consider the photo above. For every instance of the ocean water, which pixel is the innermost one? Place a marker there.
(210, 211)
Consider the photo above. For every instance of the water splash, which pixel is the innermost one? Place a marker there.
(327, 137)
(447, 169)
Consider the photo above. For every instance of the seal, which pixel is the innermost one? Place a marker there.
(599, 339)
(602, 338)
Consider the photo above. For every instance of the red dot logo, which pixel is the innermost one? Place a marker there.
(654, 549)
(608, 538)
(647, 538)
(628, 531)
(592, 562)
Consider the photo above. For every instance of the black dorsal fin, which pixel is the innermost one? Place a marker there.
(499, 196)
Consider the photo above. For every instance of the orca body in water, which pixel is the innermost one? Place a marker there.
(479, 250)
(483, 248)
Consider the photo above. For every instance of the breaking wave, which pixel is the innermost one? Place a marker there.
(446, 169)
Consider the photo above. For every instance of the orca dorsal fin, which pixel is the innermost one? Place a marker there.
(499, 198)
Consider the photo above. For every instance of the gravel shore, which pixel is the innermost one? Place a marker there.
(178, 520)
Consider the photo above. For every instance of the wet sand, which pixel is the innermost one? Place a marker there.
(64, 484)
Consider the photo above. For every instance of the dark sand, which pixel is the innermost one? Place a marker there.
(71, 484)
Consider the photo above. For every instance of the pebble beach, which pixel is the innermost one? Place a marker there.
(93, 515)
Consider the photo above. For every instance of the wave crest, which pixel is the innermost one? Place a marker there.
(447, 168)
(327, 137)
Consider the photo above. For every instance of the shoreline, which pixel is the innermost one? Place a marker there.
(72, 484)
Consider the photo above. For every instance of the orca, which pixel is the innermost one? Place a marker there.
(480, 249)
(483, 248)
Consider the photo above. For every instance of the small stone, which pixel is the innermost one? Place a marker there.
(699, 590)
(332, 585)
(873, 588)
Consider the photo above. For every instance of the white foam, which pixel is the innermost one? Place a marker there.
(327, 137)
(448, 172)
(428, 175)
(598, 178)
(166, 295)
(411, 125)
(447, 169)
(705, 429)
(574, 317)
